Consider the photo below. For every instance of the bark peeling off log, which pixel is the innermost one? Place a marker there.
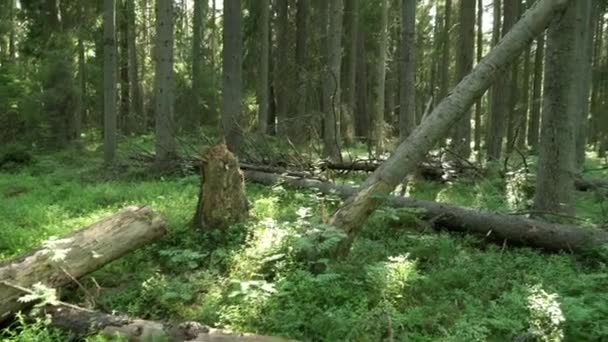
(82, 252)
(499, 227)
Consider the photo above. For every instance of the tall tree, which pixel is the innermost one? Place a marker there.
(444, 66)
(301, 66)
(478, 105)
(125, 117)
(109, 80)
(584, 62)
(411, 151)
(351, 24)
(166, 149)
(136, 89)
(407, 98)
(501, 95)
(555, 180)
(281, 80)
(461, 141)
(331, 82)
(231, 105)
(197, 78)
(537, 87)
(380, 80)
(263, 55)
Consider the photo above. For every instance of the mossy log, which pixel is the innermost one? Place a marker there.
(61, 261)
(498, 227)
(81, 323)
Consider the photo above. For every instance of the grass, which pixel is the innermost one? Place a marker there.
(263, 277)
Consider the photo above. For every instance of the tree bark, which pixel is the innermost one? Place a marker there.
(166, 149)
(516, 230)
(85, 251)
(281, 78)
(222, 201)
(537, 88)
(479, 46)
(407, 98)
(411, 151)
(556, 169)
(232, 96)
(197, 77)
(380, 81)
(109, 81)
(351, 25)
(264, 54)
(585, 30)
(81, 323)
(301, 69)
(331, 82)
(461, 140)
(444, 66)
(501, 95)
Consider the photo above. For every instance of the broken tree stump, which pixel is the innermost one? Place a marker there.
(61, 261)
(222, 201)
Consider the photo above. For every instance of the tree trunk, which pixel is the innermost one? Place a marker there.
(83, 252)
(166, 149)
(125, 119)
(514, 96)
(444, 66)
(264, 55)
(80, 112)
(350, 71)
(501, 95)
(281, 78)
(222, 201)
(331, 82)
(556, 169)
(522, 123)
(232, 75)
(534, 124)
(81, 323)
(109, 80)
(301, 69)
(478, 105)
(137, 104)
(597, 80)
(496, 227)
(380, 81)
(584, 62)
(362, 108)
(461, 141)
(407, 98)
(197, 77)
(411, 151)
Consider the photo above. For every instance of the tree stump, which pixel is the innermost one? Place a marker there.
(222, 201)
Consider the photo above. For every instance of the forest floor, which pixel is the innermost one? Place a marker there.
(399, 282)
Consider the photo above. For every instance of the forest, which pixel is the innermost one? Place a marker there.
(303, 170)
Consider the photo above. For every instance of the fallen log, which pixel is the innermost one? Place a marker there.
(61, 261)
(590, 184)
(499, 227)
(80, 322)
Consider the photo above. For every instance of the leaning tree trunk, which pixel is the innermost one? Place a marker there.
(412, 150)
(516, 230)
(82, 253)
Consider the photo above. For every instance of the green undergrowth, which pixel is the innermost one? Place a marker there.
(269, 276)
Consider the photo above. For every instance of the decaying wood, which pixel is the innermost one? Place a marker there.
(499, 227)
(58, 262)
(222, 200)
(81, 323)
